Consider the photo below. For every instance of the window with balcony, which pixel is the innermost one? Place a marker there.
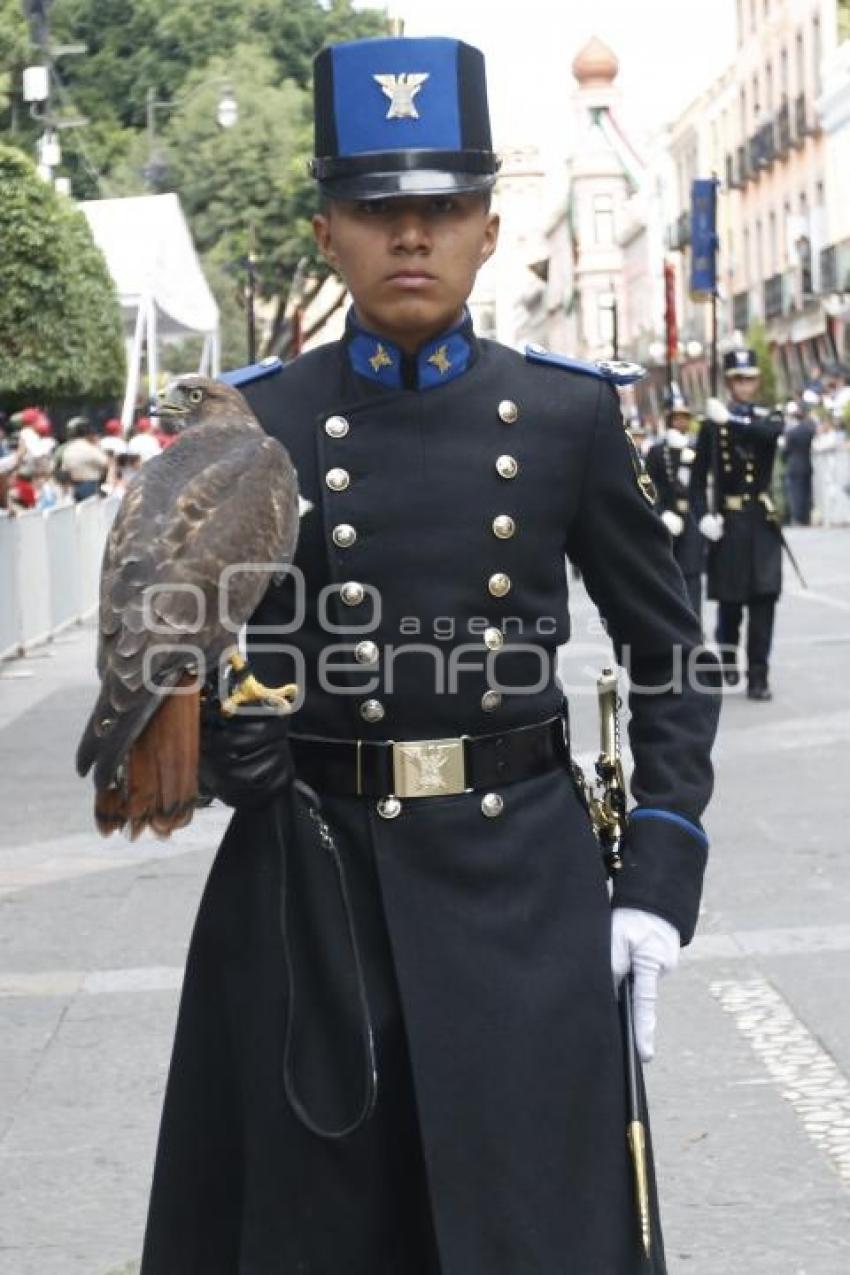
(603, 220)
(801, 125)
(783, 128)
(772, 247)
(773, 296)
(828, 272)
(741, 311)
(804, 253)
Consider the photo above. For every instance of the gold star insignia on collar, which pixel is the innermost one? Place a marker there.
(380, 359)
(401, 90)
(441, 360)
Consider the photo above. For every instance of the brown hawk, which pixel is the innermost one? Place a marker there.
(172, 599)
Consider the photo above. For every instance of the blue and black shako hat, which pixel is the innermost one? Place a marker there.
(401, 117)
(741, 363)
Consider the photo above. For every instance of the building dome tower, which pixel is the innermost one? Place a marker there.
(595, 65)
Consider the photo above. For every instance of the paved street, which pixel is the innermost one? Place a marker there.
(751, 1086)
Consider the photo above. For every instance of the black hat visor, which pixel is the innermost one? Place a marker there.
(411, 173)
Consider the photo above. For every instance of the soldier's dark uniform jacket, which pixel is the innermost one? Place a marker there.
(746, 563)
(447, 490)
(670, 467)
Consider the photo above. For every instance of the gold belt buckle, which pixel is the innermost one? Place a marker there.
(429, 768)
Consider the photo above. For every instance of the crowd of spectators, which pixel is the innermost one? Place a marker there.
(42, 466)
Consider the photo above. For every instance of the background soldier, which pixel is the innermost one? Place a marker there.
(736, 449)
(669, 463)
(800, 430)
(447, 476)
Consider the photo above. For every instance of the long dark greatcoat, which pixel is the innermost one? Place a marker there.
(746, 563)
(497, 1143)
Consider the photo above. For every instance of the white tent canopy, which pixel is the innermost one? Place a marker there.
(163, 292)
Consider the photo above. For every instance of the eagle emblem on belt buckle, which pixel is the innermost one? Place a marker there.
(428, 768)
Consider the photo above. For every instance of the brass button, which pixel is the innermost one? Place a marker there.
(372, 710)
(352, 593)
(492, 805)
(336, 427)
(389, 807)
(499, 584)
(490, 701)
(337, 479)
(508, 411)
(366, 653)
(494, 639)
(750, 478)
(507, 467)
(344, 535)
(503, 526)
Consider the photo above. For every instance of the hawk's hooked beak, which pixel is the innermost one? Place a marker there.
(169, 402)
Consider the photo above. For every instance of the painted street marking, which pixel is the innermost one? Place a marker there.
(811, 595)
(739, 945)
(805, 1074)
(79, 854)
(67, 983)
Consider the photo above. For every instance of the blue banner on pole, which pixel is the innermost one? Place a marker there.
(704, 236)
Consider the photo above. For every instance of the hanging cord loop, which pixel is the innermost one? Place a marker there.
(326, 842)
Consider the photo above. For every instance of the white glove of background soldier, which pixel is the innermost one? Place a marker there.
(674, 522)
(716, 412)
(711, 526)
(647, 945)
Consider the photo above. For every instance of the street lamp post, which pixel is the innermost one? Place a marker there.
(227, 114)
(250, 296)
(615, 322)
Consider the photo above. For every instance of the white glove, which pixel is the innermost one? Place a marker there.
(647, 945)
(716, 412)
(674, 522)
(711, 526)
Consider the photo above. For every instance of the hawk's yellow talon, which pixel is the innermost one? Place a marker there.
(251, 691)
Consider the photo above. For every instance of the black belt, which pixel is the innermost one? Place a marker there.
(430, 767)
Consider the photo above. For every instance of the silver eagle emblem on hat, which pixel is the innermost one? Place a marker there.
(401, 90)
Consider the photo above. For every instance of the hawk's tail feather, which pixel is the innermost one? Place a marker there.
(160, 788)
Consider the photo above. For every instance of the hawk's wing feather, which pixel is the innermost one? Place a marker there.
(173, 546)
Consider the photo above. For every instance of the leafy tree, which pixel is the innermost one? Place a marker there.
(243, 188)
(14, 42)
(60, 322)
(757, 340)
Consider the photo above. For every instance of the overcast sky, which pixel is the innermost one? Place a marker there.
(668, 51)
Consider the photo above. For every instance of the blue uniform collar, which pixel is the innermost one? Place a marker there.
(440, 360)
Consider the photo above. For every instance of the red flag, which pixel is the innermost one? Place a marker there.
(670, 311)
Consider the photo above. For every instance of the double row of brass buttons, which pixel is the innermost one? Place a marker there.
(503, 527)
(352, 592)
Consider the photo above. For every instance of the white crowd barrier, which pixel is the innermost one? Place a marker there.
(50, 570)
(831, 484)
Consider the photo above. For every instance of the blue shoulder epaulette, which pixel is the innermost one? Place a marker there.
(253, 372)
(614, 371)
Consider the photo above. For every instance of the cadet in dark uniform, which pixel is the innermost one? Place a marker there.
(669, 463)
(797, 464)
(449, 477)
(736, 449)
